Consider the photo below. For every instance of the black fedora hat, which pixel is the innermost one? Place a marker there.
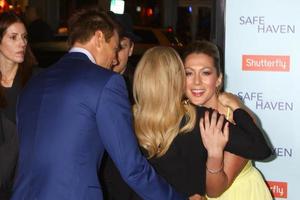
(126, 24)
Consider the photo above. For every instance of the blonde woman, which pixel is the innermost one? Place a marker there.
(168, 132)
(241, 180)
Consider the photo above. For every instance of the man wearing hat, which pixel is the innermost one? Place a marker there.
(127, 39)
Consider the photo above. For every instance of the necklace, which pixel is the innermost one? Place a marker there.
(8, 79)
(8, 74)
(7, 82)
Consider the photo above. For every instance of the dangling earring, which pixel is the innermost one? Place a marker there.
(220, 84)
(186, 102)
(217, 90)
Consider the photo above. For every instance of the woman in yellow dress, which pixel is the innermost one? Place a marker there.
(203, 82)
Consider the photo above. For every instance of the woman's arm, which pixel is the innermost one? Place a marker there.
(214, 141)
(222, 168)
(216, 183)
(245, 138)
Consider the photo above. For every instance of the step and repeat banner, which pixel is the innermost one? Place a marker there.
(262, 66)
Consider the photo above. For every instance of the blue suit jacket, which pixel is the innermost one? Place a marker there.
(66, 117)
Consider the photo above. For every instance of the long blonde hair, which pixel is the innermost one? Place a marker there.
(158, 90)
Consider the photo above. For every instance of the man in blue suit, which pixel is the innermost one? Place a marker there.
(68, 114)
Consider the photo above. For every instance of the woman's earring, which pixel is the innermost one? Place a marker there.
(217, 90)
(186, 101)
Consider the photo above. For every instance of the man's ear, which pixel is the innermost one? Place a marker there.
(99, 39)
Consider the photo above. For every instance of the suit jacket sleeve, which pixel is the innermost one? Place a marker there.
(246, 139)
(114, 121)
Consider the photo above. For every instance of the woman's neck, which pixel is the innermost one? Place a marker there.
(8, 73)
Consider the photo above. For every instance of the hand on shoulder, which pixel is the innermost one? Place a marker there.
(196, 197)
(230, 100)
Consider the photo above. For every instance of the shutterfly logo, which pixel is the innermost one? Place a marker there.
(278, 189)
(266, 63)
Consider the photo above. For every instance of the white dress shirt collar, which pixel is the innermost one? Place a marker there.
(84, 51)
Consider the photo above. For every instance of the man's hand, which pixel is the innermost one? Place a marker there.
(197, 197)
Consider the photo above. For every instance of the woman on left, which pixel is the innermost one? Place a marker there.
(16, 67)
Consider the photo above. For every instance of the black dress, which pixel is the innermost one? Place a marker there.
(8, 135)
(8, 139)
(184, 164)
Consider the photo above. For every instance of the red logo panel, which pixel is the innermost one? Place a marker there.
(266, 63)
(278, 189)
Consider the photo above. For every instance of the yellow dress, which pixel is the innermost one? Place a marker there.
(248, 185)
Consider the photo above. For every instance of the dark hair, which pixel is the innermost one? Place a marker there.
(126, 24)
(207, 48)
(25, 68)
(7, 19)
(84, 23)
